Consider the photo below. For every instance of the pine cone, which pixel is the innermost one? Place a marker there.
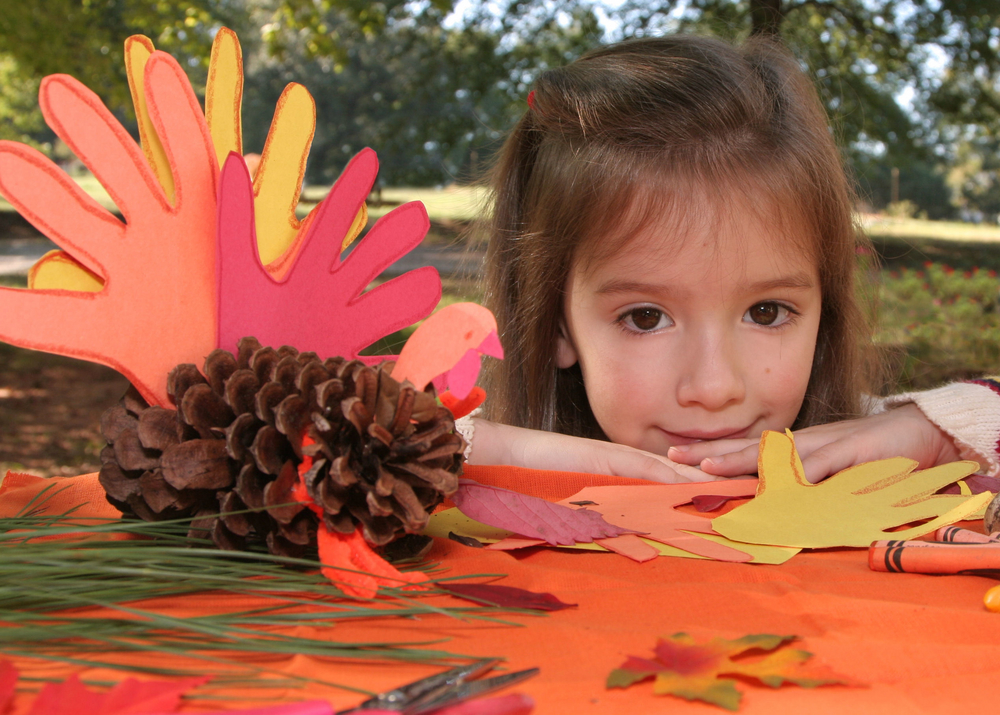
(384, 454)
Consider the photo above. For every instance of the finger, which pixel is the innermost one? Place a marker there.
(240, 273)
(334, 216)
(224, 95)
(734, 464)
(180, 125)
(55, 205)
(640, 465)
(834, 458)
(137, 52)
(80, 119)
(696, 452)
(950, 509)
(400, 302)
(57, 322)
(392, 237)
(282, 168)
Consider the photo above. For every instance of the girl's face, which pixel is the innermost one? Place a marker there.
(699, 331)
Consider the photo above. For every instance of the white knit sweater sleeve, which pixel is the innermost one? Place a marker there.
(969, 412)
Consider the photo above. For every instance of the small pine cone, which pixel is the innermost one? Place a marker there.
(383, 454)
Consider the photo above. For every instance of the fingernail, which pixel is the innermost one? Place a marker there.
(681, 448)
(713, 461)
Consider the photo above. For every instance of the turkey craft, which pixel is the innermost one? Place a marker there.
(308, 443)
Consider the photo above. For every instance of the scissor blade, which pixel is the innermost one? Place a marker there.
(469, 689)
(420, 690)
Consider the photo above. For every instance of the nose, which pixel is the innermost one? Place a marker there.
(711, 373)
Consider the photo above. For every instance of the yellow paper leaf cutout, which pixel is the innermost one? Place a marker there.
(138, 49)
(57, 270)
(360, 221)
(854, 507)
(224, 95)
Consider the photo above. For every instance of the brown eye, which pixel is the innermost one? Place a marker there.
(767, 313)
(645, 319)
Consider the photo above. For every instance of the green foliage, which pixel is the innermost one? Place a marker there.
(20, 117)
(944, 324)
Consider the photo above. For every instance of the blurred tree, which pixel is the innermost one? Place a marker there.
(20, 117)
(433, 99)
(975, 177)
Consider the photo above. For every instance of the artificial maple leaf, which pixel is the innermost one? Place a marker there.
(129, 697)
(321, 304)
(698, 671)
(530, 516)
(854, 507)
(158, 266)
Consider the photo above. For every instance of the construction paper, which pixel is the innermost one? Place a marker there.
(854, 507)
(708, 671)
(630, 546)
(58, 270)
(138, 50)
(442, 345)
(8, 684)
(157, 306)
(651, 511)
(530, 516)
(321, 304)
(460, 408)
(454, 521)
(224, 95)
(507, 596)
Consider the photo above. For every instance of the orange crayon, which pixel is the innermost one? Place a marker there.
(933, 557)
(957, 535)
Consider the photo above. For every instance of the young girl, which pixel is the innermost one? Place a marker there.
(671, 261)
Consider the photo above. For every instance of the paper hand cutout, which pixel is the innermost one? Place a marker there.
(651, 511)
(277, 184)
(852, 508)
(446, 348)
(158, 267)
(321, 304)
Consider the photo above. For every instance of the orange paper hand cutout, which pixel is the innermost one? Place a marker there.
(157, 306)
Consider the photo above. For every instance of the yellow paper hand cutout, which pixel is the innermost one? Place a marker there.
(277, 183)
(852, 508)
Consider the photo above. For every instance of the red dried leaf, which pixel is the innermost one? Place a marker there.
(530, 516)
(129, 697)
(697, 671)
(507, 596)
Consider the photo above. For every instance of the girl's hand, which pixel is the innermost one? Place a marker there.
(502, 444)
(827, 449)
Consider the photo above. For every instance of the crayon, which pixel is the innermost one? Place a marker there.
(933, 557)
(957, 535)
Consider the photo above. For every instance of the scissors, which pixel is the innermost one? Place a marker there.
(436, 691)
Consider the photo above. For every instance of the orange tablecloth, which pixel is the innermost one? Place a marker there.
(924, 644)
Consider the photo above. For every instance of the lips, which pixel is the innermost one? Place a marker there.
(692, 436)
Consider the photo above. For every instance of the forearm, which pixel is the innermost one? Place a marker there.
(494, 443)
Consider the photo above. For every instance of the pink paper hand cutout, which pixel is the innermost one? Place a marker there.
(157, 306)
(320, 304)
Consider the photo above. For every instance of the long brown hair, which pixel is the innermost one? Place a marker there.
(662, 113)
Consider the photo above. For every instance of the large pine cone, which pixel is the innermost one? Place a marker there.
(385, 454)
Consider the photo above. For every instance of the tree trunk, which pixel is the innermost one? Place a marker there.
(766, 17)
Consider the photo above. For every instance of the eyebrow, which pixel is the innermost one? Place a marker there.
(794, 281)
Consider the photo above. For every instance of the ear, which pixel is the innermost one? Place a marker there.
(565, 351)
